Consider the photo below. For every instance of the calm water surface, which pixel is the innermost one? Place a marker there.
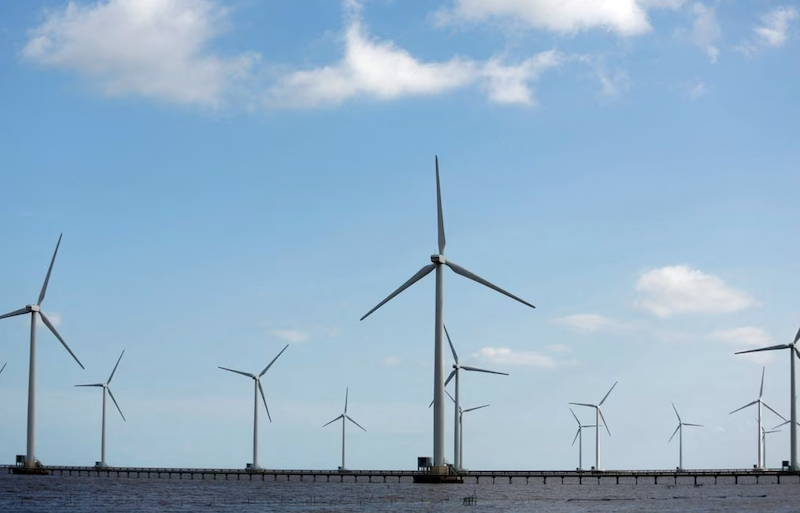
(90, 494)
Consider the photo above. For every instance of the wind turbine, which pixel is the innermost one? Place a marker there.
(760, 402)
(579, 437)
(106, 388)
(679, 430)
(598, 413)
(764, 442)
(438, 261)
(257, 389)
(344, 416)
(792, 394)
(36, 312)
(456, 367)
(460, 426)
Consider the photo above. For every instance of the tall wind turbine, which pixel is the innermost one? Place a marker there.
(759, 418)
(579, 437)
(764, 442)
(344, 416)
(106, 388)
(598, 413)
(792, 394)
(679, 431)
(257, 389)
(36, 311)
(457, 422)
(438, 261)
(460, 426)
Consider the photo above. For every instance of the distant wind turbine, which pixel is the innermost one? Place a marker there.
(764, 442)
(579, 437)
(36, 311)
(106, 388)
(760, 402)
(460, 425)
(439, 261)
(344, 416)
(455, 373)
(792, 394)
(257, 389)
(598, 415)
(679, 431)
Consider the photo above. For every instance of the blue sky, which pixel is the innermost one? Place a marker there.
(234, 176)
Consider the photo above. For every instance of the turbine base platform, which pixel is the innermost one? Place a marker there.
(439, 475)
(38, 471)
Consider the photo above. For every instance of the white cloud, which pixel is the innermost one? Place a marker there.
(774, 26)
(697, 89)
(747, 337)
(623, 17)
(391, 361)
(588, 323)
(156, 49)
(559, 348)
(383, 71)
(680, 289)
(706, 32)
(292, 336)
(506, 356)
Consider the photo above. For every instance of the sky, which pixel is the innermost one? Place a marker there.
(232, 176)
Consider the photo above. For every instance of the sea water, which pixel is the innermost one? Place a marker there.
(122, 495)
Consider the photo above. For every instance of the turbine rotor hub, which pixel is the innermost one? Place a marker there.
(438, 259)
(33, 308)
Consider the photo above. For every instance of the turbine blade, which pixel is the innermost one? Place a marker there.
(261, 389)
(356, 423)
(115, 404)
(453, 349)
(576, 418)
(577, 434)
(797, 337)
(346, 394)
(782, 424)
(440, 217)
(797, 352)
(676, 413)
(772, 431)
(49, 270)
(743, 407)
(773, 411)
(115, 368)
(239, 372)
(674, 433)
(474, 277)
(53, 329)
(431, 403)
(450, 396)
(273, 361)
(770, 348)
(450, 377)
(4, 366)
(16, 312)
(420, 274)
(92, 385)
(475, 369)
(605, 424)
(693, 425)
(334, 420)
(761, 392)
(584, 404)
(609, 393)
(475, 408)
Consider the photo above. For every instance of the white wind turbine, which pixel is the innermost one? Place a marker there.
(456, 367)
(345, 417)
(679, 431)
(764, 443)
(106, 388)
(36, 312)
(439, 261)
(792, 394)
(598, 415)
(460, 425)
(579, 437)
(759, 419)
(257, 389)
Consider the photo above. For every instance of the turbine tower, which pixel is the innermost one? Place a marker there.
(36, 312)
(438, 263)
(579, 438)
(106, 388)
(792, 394)
(598, 414)
(759, 419)
(460, 424)
(344, 416)
(457, 422)
(257, 389)
(679, 430)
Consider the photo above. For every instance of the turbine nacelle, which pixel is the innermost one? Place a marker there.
(33, 308)
(439, 259)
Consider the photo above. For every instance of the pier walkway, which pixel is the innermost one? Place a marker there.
(572, 477)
